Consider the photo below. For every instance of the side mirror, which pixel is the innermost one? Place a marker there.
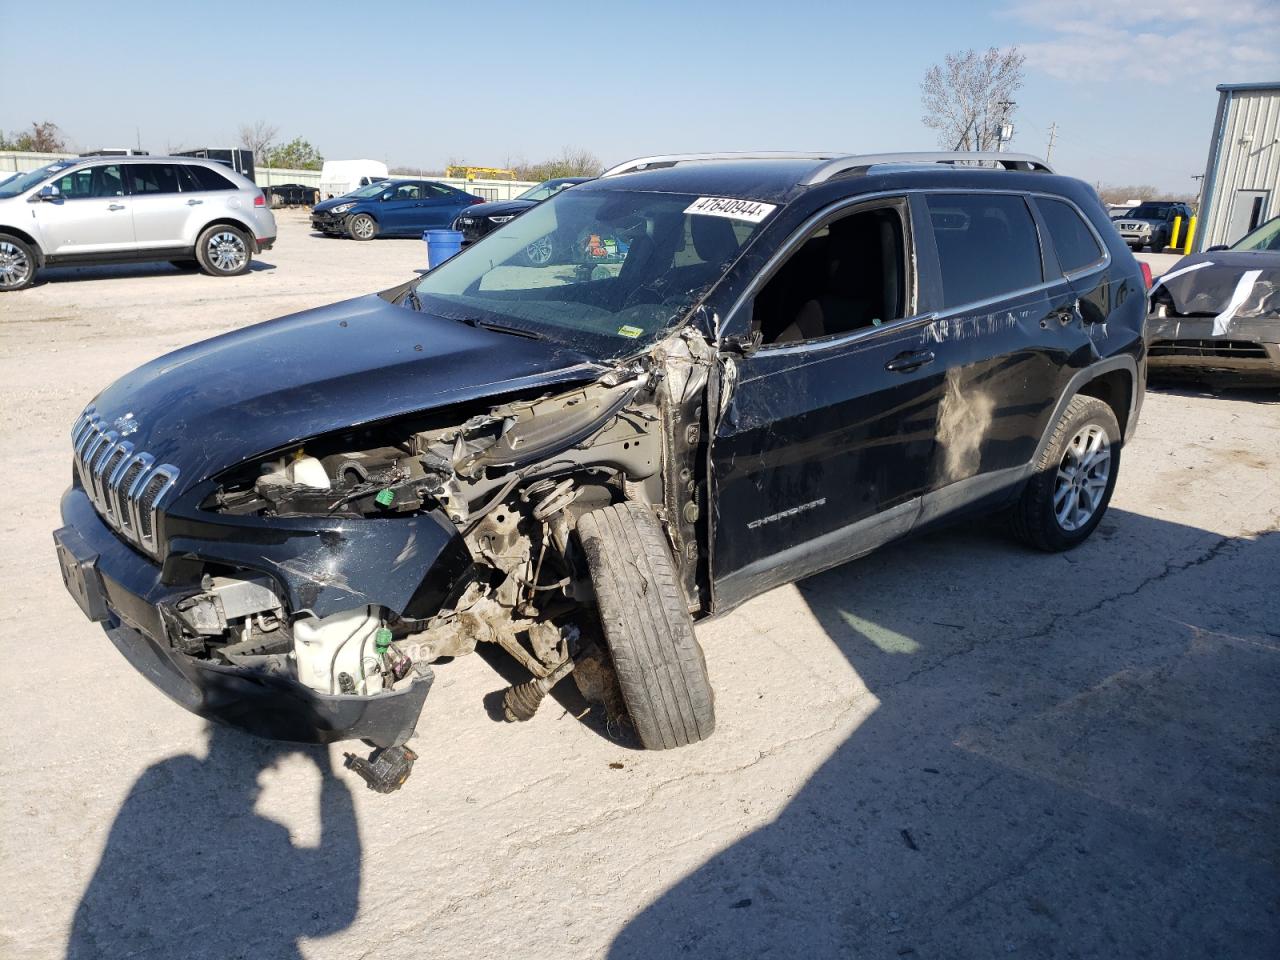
(1217, 246)
(742, 346)
(49, 192)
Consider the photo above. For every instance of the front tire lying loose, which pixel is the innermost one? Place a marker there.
(647, 626)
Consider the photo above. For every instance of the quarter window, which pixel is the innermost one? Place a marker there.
(987, 246)
(147, 178)
(1075, 243)
(197, 178)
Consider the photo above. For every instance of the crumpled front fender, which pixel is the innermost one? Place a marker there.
(325, 565)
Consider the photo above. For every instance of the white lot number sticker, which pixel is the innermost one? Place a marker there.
(752, 211)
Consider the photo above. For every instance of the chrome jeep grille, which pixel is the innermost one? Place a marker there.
(125, 485)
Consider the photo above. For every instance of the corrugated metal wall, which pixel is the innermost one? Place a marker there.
(1254, 165)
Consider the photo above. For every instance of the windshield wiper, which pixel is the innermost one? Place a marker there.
(497, 327)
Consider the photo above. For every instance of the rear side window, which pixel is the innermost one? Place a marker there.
(1076, 245)
(147, 178)
(196, 178)
(437, 191)
(987, 246)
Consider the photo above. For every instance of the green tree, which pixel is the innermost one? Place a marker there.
(297, 154)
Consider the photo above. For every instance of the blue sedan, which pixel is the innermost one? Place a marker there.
(391, 208)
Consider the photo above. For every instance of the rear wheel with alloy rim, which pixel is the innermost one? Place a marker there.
(362, 227)
(17, 264)
(1066, 498)
(223, 251)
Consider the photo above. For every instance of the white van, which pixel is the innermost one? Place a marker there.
(340, 177)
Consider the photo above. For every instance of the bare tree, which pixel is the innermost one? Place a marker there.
(41, 138)
(1124, 194)
(970, 95)
(258, 137)
(572, 162)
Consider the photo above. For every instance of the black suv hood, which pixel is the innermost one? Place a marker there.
(214, 404)
(498, 208)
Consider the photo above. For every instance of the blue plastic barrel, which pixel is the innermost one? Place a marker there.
(441, 245)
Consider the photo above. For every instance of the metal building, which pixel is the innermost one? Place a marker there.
(1241, 185)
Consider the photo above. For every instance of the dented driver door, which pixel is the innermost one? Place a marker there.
(820, 454)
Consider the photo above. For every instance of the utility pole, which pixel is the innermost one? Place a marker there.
(1004, 132)
(1053, 138)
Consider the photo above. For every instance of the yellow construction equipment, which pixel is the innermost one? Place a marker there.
(479, 173)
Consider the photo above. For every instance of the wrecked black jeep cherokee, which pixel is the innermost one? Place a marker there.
(744, 370)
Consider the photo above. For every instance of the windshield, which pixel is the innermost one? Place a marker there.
(25, 181)
(372, 190)
(1265, 237)
(1150, 211)
(608, 270)
(545, 190)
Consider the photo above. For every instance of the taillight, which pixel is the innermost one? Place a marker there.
(259, 200)
(475, 200)
(1146, 274)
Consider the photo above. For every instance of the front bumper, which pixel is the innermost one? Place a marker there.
(1249, 350)
(472, 228)
(127, 593)
(328, 222)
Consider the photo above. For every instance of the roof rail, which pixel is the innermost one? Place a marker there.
(835, 163)
(671, 159)
(863, 163)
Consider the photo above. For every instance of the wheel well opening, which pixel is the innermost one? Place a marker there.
(1115, 389)
(25, 238)
(229, 222)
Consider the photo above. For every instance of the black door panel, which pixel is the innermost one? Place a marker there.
(814, 440)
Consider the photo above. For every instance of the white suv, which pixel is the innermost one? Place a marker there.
(193, 213)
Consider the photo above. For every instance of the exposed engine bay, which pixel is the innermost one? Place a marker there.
(511, 478)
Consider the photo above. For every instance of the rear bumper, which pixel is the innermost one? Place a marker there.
(124, 591)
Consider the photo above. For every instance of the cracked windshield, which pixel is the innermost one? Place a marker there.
(607, 269)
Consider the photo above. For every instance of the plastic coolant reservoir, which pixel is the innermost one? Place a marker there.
(327, 647)
(309, 472)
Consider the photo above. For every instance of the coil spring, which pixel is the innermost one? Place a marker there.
(551, 497)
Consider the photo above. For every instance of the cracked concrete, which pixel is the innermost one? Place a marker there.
(1084, 749)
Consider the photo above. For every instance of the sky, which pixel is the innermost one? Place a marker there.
(1130, 86)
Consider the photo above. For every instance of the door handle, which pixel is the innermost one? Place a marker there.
(115, 206)
(910, 360)
(192, 203)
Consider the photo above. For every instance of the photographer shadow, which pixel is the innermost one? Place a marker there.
(191, 870)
